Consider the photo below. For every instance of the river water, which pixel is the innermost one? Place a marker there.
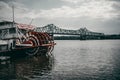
(70, 60)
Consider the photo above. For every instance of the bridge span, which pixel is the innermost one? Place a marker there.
(83, 33)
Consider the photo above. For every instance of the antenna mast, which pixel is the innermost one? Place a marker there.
(31, 22)
(13, 13)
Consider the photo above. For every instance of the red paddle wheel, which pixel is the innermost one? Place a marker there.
(40, 43)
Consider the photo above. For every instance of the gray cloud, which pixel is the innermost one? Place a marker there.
(41, 4)
(7, 0)
(97, 15)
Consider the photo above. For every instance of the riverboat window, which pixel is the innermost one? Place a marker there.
(12, 30)
(0, 34)
(23, 31)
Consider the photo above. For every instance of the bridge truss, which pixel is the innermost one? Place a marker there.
(82, 32)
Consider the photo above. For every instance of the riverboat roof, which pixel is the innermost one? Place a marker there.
(19, 25)
(5, 22)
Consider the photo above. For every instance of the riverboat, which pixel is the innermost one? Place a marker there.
(17, 37)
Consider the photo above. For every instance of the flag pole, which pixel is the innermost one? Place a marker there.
(13, 13)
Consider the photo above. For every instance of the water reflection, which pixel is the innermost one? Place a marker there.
(25, 68)
(73, 60)
(87, 60)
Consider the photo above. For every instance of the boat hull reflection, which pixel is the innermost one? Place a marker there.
(26, 68)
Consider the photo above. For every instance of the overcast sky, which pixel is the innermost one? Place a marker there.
(95, 15)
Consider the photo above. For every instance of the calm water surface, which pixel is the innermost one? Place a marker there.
(71, 60)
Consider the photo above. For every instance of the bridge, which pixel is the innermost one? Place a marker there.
(83, 33)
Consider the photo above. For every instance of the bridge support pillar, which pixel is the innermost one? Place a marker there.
(82, 37)
(52, 35)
